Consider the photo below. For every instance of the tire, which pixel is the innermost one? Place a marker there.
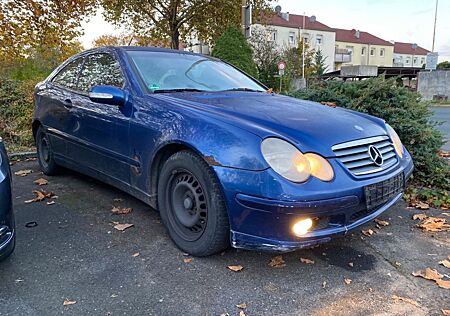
(45, 153)
(192, 206)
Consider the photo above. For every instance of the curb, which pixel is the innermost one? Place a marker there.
(25, 154)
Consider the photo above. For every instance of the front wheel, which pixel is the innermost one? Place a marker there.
(45, 153)
(192, 206)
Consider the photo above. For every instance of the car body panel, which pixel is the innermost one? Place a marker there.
(120, 145)
(7, 226)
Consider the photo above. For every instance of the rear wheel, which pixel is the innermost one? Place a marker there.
(45, 154)
(192, 206)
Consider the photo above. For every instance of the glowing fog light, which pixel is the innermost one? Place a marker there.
(302, 227)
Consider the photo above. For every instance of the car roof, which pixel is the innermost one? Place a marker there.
(144, 48)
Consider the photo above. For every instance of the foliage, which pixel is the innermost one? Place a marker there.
(233, 48)
(16, 110)
(444, 65)
(265, 56)
(436, 198)
(319, 67)
(112, 40)
(293, 56)
(402, 109)
(177, 21)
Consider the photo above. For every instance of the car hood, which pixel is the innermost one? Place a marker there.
(311, 126)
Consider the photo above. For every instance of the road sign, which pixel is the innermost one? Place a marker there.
(281, 65)
(432, 60)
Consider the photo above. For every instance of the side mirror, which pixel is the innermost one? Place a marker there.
(107, 95)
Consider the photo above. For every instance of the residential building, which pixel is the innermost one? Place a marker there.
(354, 47)
(409, 55)
(286, 29)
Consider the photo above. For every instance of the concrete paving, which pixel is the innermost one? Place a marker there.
(75, 253)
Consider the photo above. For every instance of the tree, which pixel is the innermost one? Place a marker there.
(444, 65)
(177, 20)
(265, 55)
(319, 63)
(233, 48)
(293, 56)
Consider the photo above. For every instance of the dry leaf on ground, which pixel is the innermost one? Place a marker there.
(235, 268)
(117, 210)
(324, 284)
(242, 313)
(69, 302)
(23, 173)
(347, 281)
(350, 264)
(429, 274)
(445, 263)
(419, 216)
(422, 205)
(40, 196)
(443, 284)
(41, 181)
(241, 306)
(51, 203)
(367, 232)
(445, 312)
(122, 227)
(187, 260)
(434, 224)
(398, 299)
(277, 262)
(307, 261)
(137, 254)
(381, 222)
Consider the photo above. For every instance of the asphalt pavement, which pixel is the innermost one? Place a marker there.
(75, 254)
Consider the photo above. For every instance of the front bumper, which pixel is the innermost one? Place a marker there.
(262, 207)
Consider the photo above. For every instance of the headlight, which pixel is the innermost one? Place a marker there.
(396, 140)
(293, 165)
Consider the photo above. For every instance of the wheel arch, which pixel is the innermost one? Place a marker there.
(35, 126)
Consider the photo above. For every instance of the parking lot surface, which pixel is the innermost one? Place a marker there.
(75, 254)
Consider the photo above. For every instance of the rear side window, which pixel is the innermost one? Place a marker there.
(100, 70)
(67, 77)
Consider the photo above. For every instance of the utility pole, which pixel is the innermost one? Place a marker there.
(434, 30)
(303, 49)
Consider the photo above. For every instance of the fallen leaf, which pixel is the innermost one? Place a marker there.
(347, 281)
(324, 284)
(241, 313)
(187, 260)
(434, 224)
(307, 261)
(398, 264)
(443, 284)
(69, 302)
(241, 306)
(445, 312)
(235, 268)
(428, 274)
(23, 173)
(40, 196)
(137, 254)
(277, 262)
(41, 181)
(51, 203)
(445, 263)
(398, 299)
(122, 227)
(419, 216)
(350, 264)
(422, 205)
(446, 214)
(117, 210)
(381, 222)
(367, 232)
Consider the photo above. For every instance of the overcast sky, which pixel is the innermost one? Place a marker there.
(399, 20)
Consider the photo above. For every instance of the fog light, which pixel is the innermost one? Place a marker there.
(302, 227)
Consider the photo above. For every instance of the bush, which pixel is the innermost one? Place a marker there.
(16, 111)
(402, 109)
(233, 48)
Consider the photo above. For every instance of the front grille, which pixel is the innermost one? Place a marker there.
(355, 155)
(379, 193)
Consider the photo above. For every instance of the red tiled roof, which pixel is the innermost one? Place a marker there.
(296, 21)
(364, 38)
(406, 48)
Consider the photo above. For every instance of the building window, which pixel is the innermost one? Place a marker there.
(319, 39)
(372, 52)
(382, 52)
(350, 49)
(422, 61)
(415, 60)
(363, 51)
(291, 38)
(273, 36)
(407, 60)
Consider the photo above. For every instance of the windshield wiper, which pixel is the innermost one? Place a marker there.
(242, 89)
(178, 90)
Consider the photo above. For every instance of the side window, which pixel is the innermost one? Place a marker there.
(67, 77)
(100, 70)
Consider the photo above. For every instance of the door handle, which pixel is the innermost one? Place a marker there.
(67, 103)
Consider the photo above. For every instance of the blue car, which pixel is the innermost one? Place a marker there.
(7, 229)
(224, 161)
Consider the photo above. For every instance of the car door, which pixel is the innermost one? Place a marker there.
(54, 108)
(103, 130)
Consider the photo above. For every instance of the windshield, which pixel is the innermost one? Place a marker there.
(166, 72)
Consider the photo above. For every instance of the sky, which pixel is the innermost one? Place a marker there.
(399, 20)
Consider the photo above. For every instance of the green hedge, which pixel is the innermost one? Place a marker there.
(402, 109)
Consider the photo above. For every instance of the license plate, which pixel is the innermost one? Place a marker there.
(379, 193)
